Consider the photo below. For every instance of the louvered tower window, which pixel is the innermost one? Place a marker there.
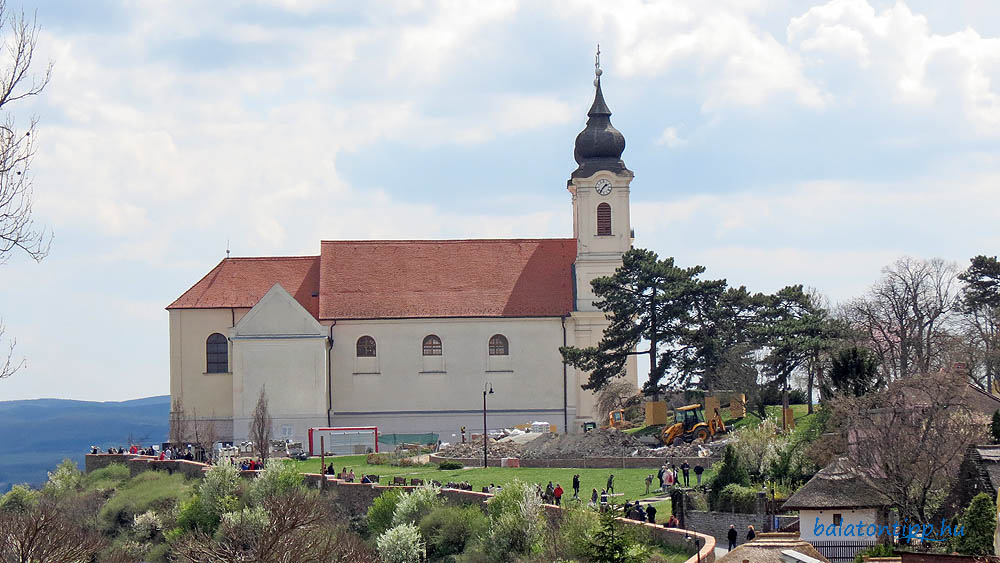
(604, 219)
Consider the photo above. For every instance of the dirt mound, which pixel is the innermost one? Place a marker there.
(596, 443)
(475, 450)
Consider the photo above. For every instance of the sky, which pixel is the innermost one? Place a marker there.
(774, 143)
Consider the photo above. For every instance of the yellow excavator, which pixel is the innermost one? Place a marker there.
(689, 425)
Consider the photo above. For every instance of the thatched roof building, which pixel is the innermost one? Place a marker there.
(775, 548)
(835, 486)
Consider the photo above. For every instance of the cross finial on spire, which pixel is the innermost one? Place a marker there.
(597, 65)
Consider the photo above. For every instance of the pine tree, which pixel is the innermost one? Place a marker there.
(610, 543)
(689, 323)
(978, 524)
(853, 372)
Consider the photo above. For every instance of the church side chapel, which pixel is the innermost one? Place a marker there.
(404, 335)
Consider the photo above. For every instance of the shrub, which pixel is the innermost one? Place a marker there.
(66, 477)
(415, 505)
(730, 471)
(146, 526)
(516, 523)
(247, 523)
(377, 459)
(737, 498)
(195, 515)
(450, 465)
(447, 529)
(380, 513)
(150, 490)
(403, 462)
(400, 544)
(105, 478)
(20, 498)
(876, 551)
(278, 478)
(219, 489)
(574, 534)
(979, 523)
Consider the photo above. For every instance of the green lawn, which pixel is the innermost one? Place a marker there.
(628, 481)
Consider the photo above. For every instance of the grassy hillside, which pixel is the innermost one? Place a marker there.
(36, 435)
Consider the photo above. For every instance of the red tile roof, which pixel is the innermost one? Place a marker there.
(241, 282)
(446, 278)
(404, 279)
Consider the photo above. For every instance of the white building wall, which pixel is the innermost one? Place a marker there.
(808, 524)
(279, 347)
(401, 395)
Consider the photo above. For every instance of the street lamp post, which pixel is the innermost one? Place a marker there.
(485, 392)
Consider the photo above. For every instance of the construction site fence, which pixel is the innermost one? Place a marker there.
(389, 442)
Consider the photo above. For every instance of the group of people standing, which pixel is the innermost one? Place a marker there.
(669, 476)
(733, 535)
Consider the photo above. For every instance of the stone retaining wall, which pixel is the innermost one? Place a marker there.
(355, 498)
(716, 524)
(589, 462)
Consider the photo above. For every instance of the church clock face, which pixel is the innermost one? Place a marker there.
(603, 187)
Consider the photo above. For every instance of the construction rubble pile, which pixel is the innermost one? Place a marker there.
(714, 448)
(605, 442)
(475, 450)
(609, 442)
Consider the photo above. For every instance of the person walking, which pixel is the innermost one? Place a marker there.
(558, 493)
(731, 535)
(604, 500)
(611, 484)
(659, 475)
(698, 470)
(687, 472)
(576, 487)
(751, 534)
(651, 514)
(649, 481)
(593, 498)
(549, 490)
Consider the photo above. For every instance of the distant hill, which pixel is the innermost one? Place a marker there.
(35, 435)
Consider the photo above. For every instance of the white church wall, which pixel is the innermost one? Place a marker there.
(293, 372)
(278, 346)
(205, 395)
(403, 396)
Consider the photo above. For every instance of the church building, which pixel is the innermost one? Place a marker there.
(405, 335)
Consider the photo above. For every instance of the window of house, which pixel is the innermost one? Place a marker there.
(432, 345)
(366, 347)
(838, 519)
(217, 354)
(498, 345)
(604, 219)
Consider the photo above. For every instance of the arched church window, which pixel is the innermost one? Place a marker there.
(432, 345)
(366, 347)
(604, 219)
(498, 345)
(217, 354)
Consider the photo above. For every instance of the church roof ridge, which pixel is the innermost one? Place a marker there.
(444, 241)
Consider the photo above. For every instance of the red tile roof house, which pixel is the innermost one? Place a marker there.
(406, 335)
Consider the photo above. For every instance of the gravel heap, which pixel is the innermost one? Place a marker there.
(694, 449)
(609, 442)
(475, 450)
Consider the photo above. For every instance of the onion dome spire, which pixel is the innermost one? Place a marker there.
(599, 146)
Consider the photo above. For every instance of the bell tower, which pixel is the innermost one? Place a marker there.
(600, 188)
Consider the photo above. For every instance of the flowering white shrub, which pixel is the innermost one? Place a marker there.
(401, 544)
(414, 505)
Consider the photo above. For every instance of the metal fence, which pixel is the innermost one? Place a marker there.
(841, 551)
